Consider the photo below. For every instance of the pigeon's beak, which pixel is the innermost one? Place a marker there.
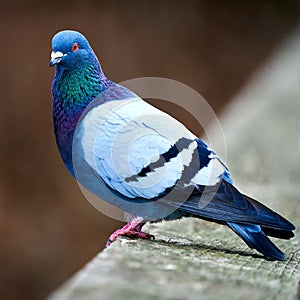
(56, 57)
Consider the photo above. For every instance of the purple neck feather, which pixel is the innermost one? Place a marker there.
(72, 91)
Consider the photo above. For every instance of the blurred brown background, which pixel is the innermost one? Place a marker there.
(48, 229)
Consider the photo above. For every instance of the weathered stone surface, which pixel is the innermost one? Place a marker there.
(189, 260)
(194, 259)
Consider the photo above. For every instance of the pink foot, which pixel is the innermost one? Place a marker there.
(131, 229)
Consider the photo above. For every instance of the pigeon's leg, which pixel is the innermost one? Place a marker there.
(131, 229)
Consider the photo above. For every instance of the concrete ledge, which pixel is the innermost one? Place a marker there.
(191, 259)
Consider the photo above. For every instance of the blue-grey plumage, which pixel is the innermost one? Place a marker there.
(142, 160)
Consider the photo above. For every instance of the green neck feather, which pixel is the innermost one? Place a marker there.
(73, 90)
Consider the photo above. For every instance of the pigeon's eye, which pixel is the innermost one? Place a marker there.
(75, 47)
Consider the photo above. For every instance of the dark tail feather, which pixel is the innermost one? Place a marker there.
(277, 233)
(255, 238)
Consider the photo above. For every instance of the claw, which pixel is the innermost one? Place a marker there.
(131, 229)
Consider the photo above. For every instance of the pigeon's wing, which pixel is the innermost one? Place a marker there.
(140, 151)
(223, 202)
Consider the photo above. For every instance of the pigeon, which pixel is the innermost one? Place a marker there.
(143, 161)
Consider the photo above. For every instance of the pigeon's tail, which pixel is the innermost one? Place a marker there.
(254, 237)
(248, 218)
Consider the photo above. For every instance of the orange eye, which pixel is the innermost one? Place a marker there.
(75, 47)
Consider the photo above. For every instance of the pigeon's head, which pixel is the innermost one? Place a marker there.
(70, 49)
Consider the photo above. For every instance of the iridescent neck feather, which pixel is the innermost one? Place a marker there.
(72, 91)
